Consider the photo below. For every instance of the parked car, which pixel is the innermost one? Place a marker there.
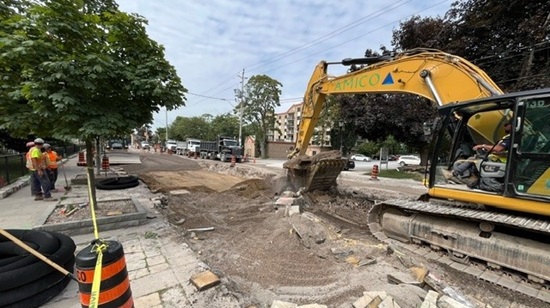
(360, 157)
(350, 164)
(116, 146)
(408, 160)
(145, 145)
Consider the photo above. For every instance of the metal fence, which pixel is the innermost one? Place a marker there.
(13, 166)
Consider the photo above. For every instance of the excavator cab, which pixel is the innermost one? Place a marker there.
(523, 171)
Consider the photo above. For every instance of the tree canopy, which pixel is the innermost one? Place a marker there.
(80, 69)
(260, 98)
(204, 127)
(509, 40)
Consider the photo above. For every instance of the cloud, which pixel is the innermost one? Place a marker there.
(210, 42)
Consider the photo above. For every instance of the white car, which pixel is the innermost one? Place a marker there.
(408, 160)
(360, 157)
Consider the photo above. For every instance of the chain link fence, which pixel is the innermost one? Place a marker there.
(13, 166)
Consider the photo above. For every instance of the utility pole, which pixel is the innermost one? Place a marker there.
(241, 96)
(166, 125)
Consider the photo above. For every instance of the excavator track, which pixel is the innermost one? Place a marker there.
(473, 244)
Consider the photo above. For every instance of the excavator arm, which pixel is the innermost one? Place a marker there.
(433, 74)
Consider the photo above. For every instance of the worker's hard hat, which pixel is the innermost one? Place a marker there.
(30, 144)
(38, 141)
(46, 145)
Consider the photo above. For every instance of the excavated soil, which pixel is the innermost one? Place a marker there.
(325, 256)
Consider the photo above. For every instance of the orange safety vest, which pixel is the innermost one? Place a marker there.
(29, 160)
(52, 162)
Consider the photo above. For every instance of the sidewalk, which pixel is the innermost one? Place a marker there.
(159, 264)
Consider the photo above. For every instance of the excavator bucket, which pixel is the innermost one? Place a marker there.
(318, 172)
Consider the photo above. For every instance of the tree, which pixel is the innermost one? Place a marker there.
(81, 69)
(224, 124)
(260, 98)
(90, 73)
(189, 127)
(377, 116)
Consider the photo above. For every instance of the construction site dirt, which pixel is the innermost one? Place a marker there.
(325, 255)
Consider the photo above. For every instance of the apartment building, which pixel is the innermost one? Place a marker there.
(286, 128)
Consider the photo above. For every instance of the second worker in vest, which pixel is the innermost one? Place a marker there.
(52, 160)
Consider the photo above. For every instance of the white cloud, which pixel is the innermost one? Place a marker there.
(210, 42)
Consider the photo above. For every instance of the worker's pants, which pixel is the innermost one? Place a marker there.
(41, 181)
(52, 176)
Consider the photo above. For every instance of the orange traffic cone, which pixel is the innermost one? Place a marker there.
(374, 173)
(233, 161)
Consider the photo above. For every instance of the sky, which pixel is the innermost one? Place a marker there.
(211, 42)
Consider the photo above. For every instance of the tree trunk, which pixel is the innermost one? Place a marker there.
(97, 156)
(90, 173)
(263, 147)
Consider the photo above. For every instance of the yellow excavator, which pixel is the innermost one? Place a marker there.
(502, 224)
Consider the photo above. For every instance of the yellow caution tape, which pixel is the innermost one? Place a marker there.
(99, 247)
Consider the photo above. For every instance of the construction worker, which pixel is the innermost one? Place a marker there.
(34, 183)
(52, 159)
(38, 170)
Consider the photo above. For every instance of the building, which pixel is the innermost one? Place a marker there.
(250, 146)
(282, 139)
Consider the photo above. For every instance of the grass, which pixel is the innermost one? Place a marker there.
(394, 174)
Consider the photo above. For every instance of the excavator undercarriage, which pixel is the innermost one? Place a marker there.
(493, 246)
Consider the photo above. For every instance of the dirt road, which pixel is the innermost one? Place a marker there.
(325, 256)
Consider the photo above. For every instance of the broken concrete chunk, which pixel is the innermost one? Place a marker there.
(179, 192)
(419, 273)
(447, 302)
(373, 294)
(294, 209)
(362, 302)
(204, 280)
(430, 301)
(281, 304)
(313, 306)
(388, 302)
(286, 201)
(288, 194)
(376, 301)
(399, 278)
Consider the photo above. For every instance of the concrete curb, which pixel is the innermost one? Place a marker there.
(104, 223)
(12, 188)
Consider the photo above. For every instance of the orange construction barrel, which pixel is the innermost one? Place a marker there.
(81, 159)
(115, 286)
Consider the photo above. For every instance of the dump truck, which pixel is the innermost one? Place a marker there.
(223, 148)
(190, 145)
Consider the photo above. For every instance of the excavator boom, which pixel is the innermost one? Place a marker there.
(438, 76)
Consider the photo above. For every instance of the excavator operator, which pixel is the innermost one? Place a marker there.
(467, 173)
